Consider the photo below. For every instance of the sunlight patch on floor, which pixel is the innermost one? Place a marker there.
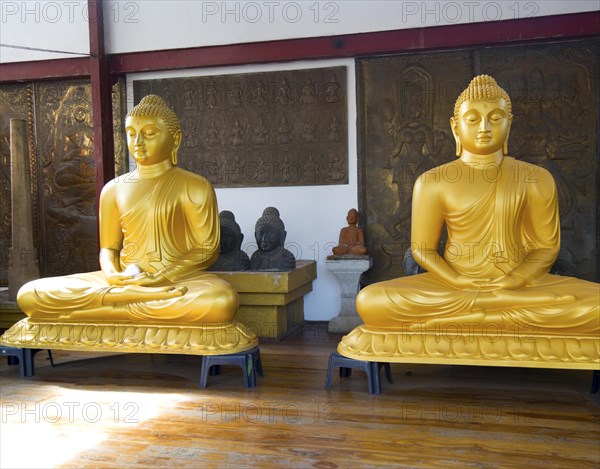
(50, 432)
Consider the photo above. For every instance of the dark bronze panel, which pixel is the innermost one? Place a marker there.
(284, 128)
(119, 109)
(403, 131)
(407, 102)
(554, 92)
(63, 171)
(65, 147)
(66, 155)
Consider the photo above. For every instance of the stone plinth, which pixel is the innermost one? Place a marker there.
(272, 303)
(348, 271)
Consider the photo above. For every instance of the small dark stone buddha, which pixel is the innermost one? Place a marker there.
(231, 256)
(270, 236)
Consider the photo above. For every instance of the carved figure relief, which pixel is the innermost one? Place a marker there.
(255, 118)
(63, 171)
(69, 179)
(557, 96)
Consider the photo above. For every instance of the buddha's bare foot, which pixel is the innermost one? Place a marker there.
(131, 293)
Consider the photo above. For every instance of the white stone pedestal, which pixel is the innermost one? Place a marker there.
(348, 271)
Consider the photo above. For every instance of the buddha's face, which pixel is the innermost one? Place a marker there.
(352, 217)
(149, 140)
(482, 126)
(267, 238)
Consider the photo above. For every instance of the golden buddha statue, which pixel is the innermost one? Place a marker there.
(501, 217)
(159, 232)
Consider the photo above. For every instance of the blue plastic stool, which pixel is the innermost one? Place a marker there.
(23, 357)
(31, 361)
(18, 356)
(372, 369)
(249, 361)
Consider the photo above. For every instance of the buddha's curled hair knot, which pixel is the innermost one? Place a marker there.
(228, 221)
(271, 218)
(154, 106)
(482, 87)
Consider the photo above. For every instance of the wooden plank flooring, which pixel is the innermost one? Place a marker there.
(107, 410)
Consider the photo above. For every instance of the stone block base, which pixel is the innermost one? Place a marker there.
(272, 303)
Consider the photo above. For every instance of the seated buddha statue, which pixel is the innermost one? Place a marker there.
(270, 237)
(503, 236)
(159, 232)
(352, 239)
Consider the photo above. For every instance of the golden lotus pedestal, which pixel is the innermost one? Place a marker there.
(120, 336)
(492, 347)
(272, 303)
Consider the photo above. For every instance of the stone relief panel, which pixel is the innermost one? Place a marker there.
(405, 103)
(119, 110)
(284, 128)
(65, 146)
(63, 171)
(554, 91)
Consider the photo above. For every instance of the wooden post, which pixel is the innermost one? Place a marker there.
(101, 99)
(23, 265)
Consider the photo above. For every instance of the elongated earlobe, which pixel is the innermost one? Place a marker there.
(458, 144)
(176, 143)
(505, 145)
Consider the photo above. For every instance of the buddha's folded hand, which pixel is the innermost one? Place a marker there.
(118, 278)
(506, 282)
(465, 282)
(146, 279)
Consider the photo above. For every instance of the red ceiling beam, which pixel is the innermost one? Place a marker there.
(45, 70)
(577, 25)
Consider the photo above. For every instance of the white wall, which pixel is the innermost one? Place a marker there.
(140, 25)
(60, 27)
(180, 24)
(313, 215)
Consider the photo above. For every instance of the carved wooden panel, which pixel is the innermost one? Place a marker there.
(65, 146)
(554, 92)
(63, 171)
(405, 103)
(280, 128)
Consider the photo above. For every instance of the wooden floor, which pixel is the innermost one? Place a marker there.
(109, 410)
